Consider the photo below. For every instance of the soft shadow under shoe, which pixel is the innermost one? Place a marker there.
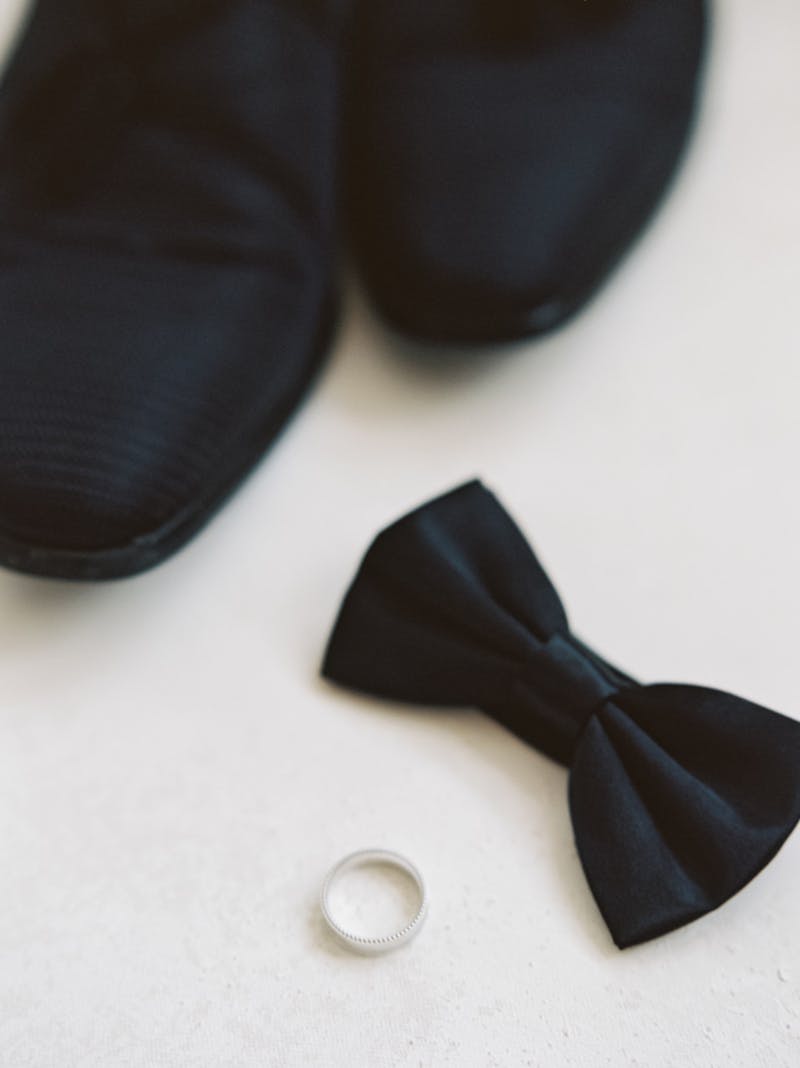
(167, 218)
(504, 155)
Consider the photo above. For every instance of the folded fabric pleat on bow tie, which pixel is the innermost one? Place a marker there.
(679, 795)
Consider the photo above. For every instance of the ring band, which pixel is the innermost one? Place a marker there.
(382, 943)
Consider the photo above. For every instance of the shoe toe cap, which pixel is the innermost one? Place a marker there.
(133, 395)
(501, 192)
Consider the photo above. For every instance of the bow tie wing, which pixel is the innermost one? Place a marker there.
(679, 796)
(447, 603)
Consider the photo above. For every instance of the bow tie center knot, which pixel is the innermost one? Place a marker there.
(556, 691)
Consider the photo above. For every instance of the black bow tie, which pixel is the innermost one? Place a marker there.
(679, 795)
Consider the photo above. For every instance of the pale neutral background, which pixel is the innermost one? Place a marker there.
(175, 779)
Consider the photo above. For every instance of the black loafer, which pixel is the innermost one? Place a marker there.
(504, 154)
(167, 218)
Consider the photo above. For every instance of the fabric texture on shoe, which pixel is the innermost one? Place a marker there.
(167, 235)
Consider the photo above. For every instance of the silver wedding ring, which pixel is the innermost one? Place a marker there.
(382, 943)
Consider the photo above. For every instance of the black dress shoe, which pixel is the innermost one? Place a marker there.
(167, 217)
(505, 154)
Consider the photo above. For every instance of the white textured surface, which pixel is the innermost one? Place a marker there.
(175, 780)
